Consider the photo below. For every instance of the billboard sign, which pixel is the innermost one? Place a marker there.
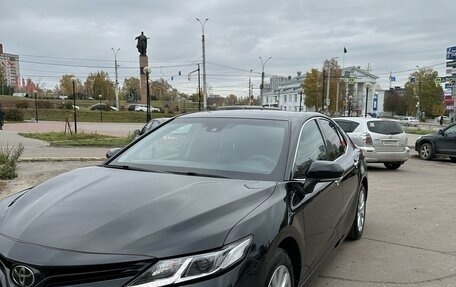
(451, 53)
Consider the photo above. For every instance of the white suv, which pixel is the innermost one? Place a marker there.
(383, 141)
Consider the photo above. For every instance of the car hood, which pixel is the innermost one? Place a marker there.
(110, 211)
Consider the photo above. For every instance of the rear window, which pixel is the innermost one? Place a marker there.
(347, 126)
(385, 127)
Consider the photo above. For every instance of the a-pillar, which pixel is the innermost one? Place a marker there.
(143, 62)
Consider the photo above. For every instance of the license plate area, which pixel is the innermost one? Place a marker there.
(389, 142)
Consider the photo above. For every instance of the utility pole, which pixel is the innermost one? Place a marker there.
(204, 62)
(117, 79)
(250, 87)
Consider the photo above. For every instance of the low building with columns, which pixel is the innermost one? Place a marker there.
(288, 95)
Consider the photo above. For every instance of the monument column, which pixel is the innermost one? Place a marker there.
(143, 62)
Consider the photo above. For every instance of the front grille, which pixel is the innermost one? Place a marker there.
(79, 275)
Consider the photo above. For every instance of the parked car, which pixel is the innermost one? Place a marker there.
(226, 198)
(152, 124)
(382, 140)
(103, 107)
(143, 108)
(131, 107)
(442, 143)
(409, 121)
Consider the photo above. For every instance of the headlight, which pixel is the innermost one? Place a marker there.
(187, 268)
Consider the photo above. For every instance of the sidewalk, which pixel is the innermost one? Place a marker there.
(37, 150)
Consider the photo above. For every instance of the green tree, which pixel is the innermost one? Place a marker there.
(102, 85)
(312, 87)
(394, 103)
(421, 88)
(130, 89)
(231, 100)
(336, 85)
(66, 84)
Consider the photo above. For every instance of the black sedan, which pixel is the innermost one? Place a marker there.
(224, 198)
(442, 143)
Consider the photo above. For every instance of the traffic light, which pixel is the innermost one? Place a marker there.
(180, 73)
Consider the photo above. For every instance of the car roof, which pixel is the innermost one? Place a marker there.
(256, 114)
(363, 119)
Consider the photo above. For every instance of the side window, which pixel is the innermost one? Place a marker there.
(311, 147)
(335, 142)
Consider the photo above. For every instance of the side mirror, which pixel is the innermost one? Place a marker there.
(112, 151)
(136, 132)
(441, 132)
(325, 171)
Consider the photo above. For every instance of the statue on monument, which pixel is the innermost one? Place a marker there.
(142, 43)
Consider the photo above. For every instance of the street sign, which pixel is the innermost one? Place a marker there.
(451, 53)
(451, 64)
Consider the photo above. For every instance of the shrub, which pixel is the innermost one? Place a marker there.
(8, 161)
(22, 104)
(44, 104)
(14, 115)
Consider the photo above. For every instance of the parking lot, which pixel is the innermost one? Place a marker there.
(410, 233)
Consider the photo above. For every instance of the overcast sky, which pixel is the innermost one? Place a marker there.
(55, 37)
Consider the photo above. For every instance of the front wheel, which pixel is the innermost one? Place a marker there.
(358, 224)
(453, 158)
(425, 151)
(280, 270)
(392, 165)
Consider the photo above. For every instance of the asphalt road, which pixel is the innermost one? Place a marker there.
(410, 233)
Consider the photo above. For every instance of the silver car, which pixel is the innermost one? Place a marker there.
(383, 141)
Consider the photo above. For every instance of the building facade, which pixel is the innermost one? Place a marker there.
(288, 94)
(10, 66)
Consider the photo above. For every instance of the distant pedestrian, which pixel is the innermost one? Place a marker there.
(1, 118)
(441, 120)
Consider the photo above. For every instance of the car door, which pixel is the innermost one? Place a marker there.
(446, 144)
(318, 205)
(343, 153)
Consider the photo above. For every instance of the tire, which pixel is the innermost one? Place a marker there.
(279, 270)
(392, 165)
(453, 159)
(356, 231)
(425, 151)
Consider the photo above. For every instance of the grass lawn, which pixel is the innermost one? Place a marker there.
(80, 139)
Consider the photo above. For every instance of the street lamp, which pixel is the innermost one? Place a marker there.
(36, 107)
(147, 71)
(117, 79)
(101, 110)
(74, 106)
(204, 61)
(262, 77)
(368, 86)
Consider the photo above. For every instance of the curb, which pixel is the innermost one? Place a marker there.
(48, 159)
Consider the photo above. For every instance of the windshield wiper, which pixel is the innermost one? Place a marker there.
(192, 173)
(129, 167)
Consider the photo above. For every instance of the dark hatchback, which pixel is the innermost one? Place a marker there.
(224, 198)
(442, 143)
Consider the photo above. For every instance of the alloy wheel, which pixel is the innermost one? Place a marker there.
(280, 277)
(361, 212)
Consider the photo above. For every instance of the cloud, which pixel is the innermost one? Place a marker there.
(298, 35)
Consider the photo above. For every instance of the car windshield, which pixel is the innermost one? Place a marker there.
(385, 127)
(235, 148)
